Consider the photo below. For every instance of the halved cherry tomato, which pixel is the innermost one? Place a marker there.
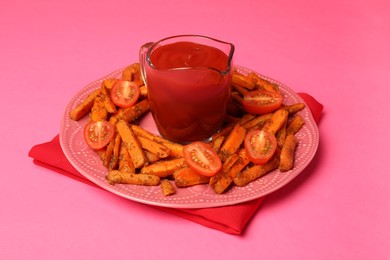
(261, 101)
(125, 93)
(260, 146)
(202, 158)
(98, 134)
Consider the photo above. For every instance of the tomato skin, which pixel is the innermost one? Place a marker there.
(261, 101)
(260, 146)
(202, 158)
(98, 134)
(125, 93)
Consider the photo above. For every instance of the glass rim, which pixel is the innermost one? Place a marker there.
(224, 72)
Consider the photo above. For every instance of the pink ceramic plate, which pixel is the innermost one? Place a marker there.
(88, 163)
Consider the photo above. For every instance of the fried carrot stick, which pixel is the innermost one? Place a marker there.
(264, 84)
(167, 188)
(240, 89)
(295, 125)
(116, 176)
(125, 162)
(217, 143)
(232, 142)
(243, 81)
(132, 113)
(281, 135)
(108, 104)
(144, 91)
(156, 148)
(132, 144)
(186, 176)
(228, 174)
(176, 150)
(258, 121)
(127, 74)
(84, 107)
(164, 168)
(98, 110)
(279, 117)
(287, 153)
(256, 171)
(294, 108)
(114, 161)
(109, 151)
(109, 83)
(151, 157)
(246, 118)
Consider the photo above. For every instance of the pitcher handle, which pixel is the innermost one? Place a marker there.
(142, 60)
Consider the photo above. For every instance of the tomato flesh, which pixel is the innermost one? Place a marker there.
(261, 101)
(125, 93)
(260, 146)
(202, 158)
(98, 134)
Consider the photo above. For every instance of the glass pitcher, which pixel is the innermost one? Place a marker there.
(189, 83)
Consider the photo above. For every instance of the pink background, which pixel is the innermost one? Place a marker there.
(338, 51)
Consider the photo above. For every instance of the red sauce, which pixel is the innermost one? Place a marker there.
(188, 54)
(188, 104)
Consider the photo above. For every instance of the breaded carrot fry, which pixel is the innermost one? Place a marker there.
(135, 70)
(132, 113)
(164, 168)
(108, 104)
(125, 162)
(232, 142)
(295, 125)
(151, 157)
(167, 188)
(102, 153)
(246, 118)
(176, 150)
(281, 135)
(84, 107)
(144, 91)
(228, 163)
(240, 89)
(258, 121)
(186, 177)
(240, 164)
(132, 144)
(256, 171)
(109, 83)
(127, 74)
(288, 153)
(223, 183)
(243, 81)
(114, 161)
(136, 74)
(156, 148)
(109, 151)
(265, 84)
(116, 176)
(98, 110)
(217, 143)
(279, 117)
(225, 131)
(236, 97)
(294, 108)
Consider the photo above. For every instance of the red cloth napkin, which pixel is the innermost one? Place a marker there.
(230, 219)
